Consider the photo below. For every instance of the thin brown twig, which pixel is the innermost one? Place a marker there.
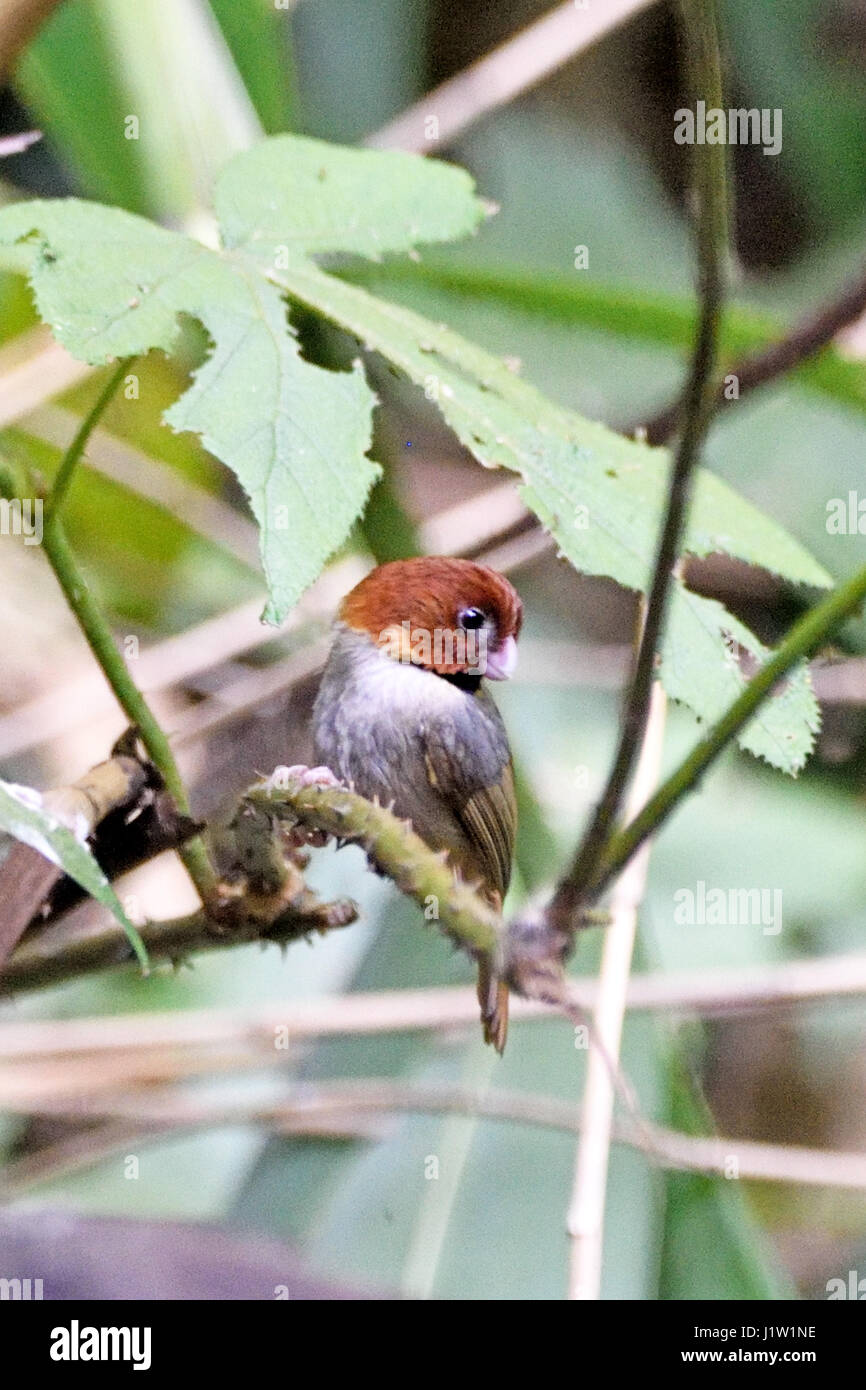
(68, 948)
(806, 339)
(39, 1084)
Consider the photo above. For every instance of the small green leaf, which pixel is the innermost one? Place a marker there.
(23, 816)
(306, 197)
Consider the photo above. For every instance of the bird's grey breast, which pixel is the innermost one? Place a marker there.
(376, 720)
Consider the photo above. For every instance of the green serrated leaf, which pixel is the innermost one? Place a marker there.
(111, 284)
(23, 816)
(700, 666)
(600, 494)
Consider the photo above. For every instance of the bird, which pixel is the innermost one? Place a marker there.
(403, 715)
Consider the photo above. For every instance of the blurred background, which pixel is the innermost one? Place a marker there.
(584, 158)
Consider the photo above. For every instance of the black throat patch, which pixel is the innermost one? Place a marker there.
(463, 681)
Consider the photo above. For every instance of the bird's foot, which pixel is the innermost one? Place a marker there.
(307, 776)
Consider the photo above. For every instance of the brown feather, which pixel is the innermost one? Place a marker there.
(489, 818)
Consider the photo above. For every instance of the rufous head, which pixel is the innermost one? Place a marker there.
(447, 615)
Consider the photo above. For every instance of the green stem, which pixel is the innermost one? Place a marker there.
(79, 444)
(805, 638)
(95, 629)
(92, 622)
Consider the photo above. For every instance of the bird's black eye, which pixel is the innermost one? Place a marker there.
(471, 619)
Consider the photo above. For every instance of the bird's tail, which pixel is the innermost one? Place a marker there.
(493, 998)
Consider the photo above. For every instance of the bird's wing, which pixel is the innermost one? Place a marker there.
(489, 818)
(478, 787)
(472, 776)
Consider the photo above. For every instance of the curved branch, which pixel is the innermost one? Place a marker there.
(394, 848)
(331, 1105)
(806, 339)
